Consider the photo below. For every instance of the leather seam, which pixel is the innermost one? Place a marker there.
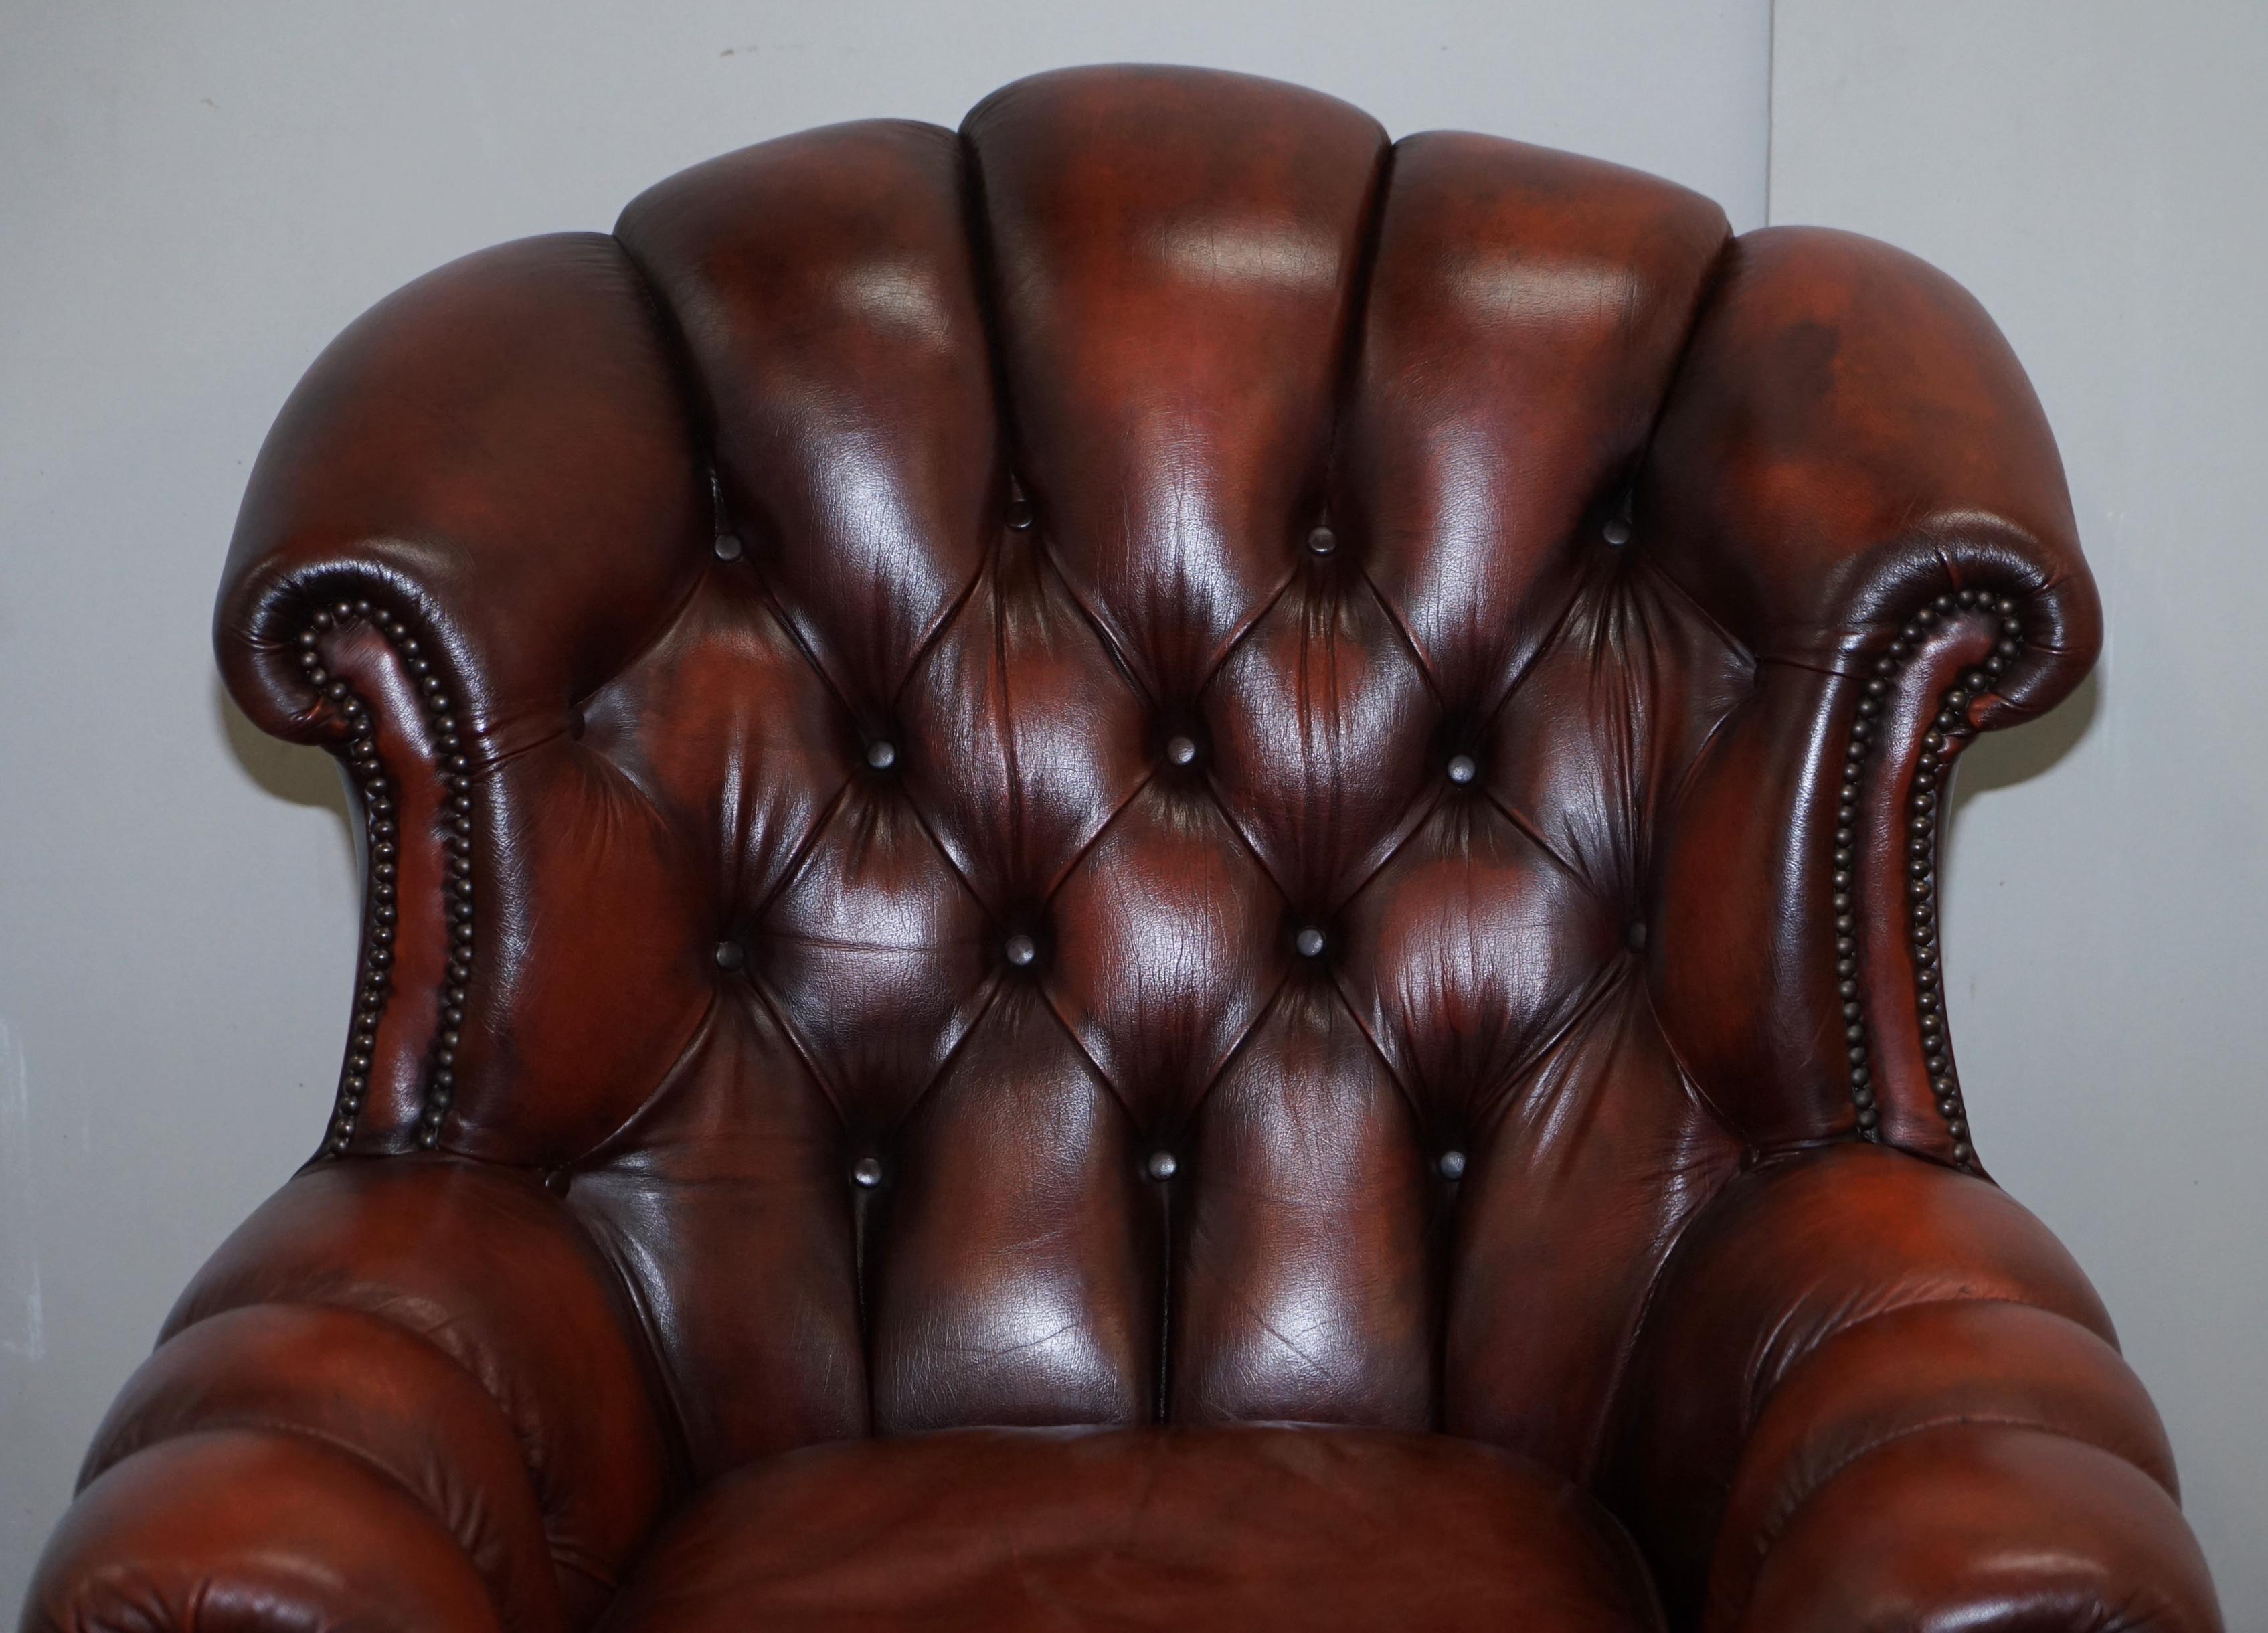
(1526, 671)
(1626, 1348)
(1087, 848)
(480, 1385)
(701, 419)
(664, 627)
(800, 640)
(1739, 649)
(988, 992)
(1770, 1532)
(1369, 241)
(1243, 1042)
(1523, 1073)
(1243, 631)
(1690, 1081)
(671, 1405)
(1780, 1375)
(1401, 1089)
(1527, 830)
(925, 645)
(597, 1151)
(253, 1422)
(1707, 290)
(1105, 632)
(799, 856)
(1070, 1035)
(1401, 625)
(803, 1054)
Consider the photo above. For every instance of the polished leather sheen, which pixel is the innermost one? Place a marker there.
(1038, 796)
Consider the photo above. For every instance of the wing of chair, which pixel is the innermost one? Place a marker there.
(1154, 867)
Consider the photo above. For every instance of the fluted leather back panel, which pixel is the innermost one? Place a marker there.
(1146, 831)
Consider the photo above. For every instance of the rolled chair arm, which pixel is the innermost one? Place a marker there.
(485, 498)
(1873, 1392)
(413, 1357)
(1853, 477)
(499, 453)
(239, 1532)
(1848, 437)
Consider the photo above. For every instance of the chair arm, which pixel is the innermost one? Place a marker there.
(1853, 477)
(499, 453)
(1848, 437)
(413, 1355)
(232, 1532)
(485, 498)
(1870, 1392)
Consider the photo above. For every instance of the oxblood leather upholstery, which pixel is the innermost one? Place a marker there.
(1155, 768)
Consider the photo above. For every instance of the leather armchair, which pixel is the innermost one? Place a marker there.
(1152, 867)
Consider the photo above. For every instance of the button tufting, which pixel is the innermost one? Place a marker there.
(866, 1172)
(1452, 1164)
(728, 547)
(731, 955)
(881, 753)
(1634, 935)
(1020, 949)
(1463, 768)
(1310, 942)
(1617, 532)
(1020, 515)
(1161, 1165)
(1322, 541)
(1181, 750)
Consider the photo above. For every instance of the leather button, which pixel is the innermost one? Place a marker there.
(1463, 768)
(1634, 935)
(1161, 1165)
(1452, 1164)
(1020, 515)
(728, 547)
(1310, 943)
(866, 1172)
(1617, 533)
(881, 753)
(1181, 750)
(1020, 949)
(731, 955)
(1322, 541)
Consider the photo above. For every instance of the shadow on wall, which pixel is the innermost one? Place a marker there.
(1998, 760)
(291, 772)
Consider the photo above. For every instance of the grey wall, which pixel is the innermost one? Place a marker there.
(2096, 173)
(194, 198)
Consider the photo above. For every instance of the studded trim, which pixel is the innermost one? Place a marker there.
(1943, 740)
(381, 912)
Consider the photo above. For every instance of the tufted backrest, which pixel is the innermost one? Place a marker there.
(1076, 777)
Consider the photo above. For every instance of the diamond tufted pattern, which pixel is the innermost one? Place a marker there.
(1157, 762)
(1026, 618)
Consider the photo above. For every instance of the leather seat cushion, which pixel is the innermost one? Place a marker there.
(1189, 1529)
